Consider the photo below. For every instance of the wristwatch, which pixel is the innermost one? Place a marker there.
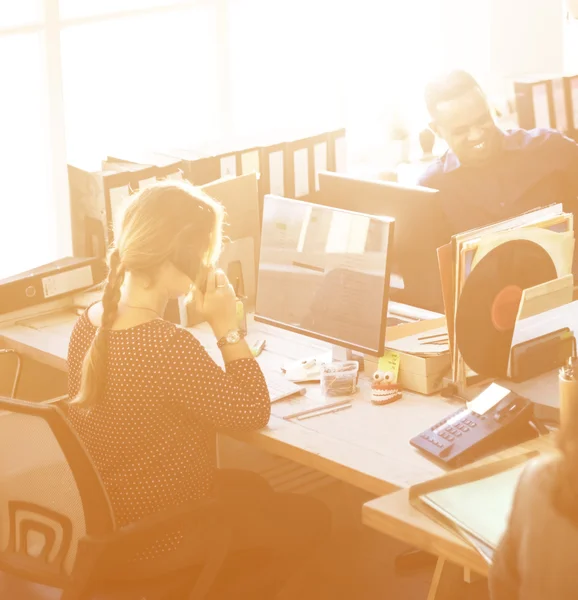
(233, 337)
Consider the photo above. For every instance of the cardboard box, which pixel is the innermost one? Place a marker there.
(416, 373)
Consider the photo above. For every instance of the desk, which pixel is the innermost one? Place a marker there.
(366, 446)
(393, 515)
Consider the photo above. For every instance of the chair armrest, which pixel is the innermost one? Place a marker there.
(57, 400)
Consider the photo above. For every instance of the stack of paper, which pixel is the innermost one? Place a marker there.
(428, 343)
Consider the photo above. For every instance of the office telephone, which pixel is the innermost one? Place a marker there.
(465, 436)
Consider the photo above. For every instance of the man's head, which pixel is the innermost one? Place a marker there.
(461, 116)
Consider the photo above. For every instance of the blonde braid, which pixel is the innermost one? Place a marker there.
(94, 374)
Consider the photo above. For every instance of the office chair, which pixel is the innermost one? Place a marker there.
(57, 527)
(10, 355)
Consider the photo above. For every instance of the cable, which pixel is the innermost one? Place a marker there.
(18, 367)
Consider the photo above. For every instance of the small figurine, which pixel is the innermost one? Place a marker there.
(384, 390)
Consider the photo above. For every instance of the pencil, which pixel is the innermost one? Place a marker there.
(324, 412)
(316, 409)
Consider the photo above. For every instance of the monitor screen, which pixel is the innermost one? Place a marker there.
(420, 229)
(324, 272)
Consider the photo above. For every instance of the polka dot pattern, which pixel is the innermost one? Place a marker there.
(152, 437)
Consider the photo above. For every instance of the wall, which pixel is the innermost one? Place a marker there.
(527, 37)
(500, 40)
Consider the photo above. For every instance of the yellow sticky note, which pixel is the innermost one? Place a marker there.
(389, 362)
(241, 317)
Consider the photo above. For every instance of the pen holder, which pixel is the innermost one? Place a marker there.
(339, 378)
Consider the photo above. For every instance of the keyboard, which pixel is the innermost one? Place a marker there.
(279, 387)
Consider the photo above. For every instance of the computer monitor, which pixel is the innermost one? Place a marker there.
(324, 273)
(420, 229)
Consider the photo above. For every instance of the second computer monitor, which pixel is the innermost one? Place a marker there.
(324, 272)
(420, 229)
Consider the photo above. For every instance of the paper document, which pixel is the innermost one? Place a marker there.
(489, 398)
(481, 507)
(301, 167)
(559, 246)
(276, 173)
(546, 296)
(432, 342)
(320, 161)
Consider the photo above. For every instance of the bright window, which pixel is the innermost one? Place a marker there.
(162, 74)
(74, 9)
(20, 13)
(284, 65)
(146, 81)
(28, 225)
(311, 64)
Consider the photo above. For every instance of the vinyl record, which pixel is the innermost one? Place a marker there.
(489, 303)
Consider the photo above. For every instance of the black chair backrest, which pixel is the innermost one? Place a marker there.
(51, 496)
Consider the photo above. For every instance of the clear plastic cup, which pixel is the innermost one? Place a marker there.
(339, 378)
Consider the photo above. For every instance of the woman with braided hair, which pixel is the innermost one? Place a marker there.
(147, 400)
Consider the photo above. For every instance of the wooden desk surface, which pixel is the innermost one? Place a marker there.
(366, 446)
(393, 515)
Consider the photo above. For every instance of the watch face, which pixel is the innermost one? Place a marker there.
(233, 337)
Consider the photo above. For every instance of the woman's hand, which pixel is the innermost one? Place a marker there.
(218, 304)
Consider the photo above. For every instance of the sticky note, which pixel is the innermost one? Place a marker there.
(389, 362)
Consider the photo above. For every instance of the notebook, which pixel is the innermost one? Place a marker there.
(481, 508)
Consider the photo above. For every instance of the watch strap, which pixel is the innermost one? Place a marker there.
(224, 341)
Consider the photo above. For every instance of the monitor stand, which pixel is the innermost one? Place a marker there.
(309, 368)
(340, 354)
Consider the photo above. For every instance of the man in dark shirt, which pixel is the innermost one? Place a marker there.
(488, 174)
